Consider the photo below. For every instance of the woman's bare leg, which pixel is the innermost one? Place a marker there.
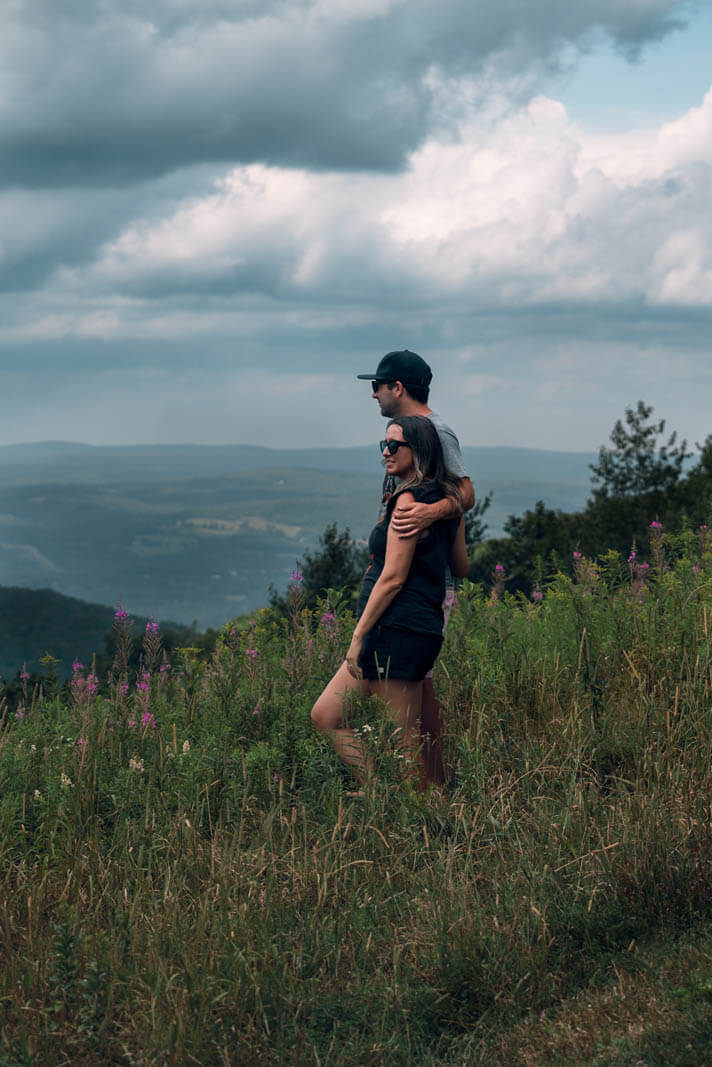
(327, 716)
(404, 699)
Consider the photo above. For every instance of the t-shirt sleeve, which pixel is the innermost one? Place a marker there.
(452, 455)
(454, 462)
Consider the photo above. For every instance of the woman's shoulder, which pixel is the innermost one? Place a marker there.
(427, 492)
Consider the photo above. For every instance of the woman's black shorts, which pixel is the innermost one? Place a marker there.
(392, 653)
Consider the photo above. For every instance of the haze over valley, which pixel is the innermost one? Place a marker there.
(198, 533)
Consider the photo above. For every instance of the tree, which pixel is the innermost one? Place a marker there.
(474, 526)
(637, 465)
(338, 563)
(640, 481)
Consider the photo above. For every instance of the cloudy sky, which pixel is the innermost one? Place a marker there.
(214, 215)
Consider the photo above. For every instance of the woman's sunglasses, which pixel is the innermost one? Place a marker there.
(392, 446)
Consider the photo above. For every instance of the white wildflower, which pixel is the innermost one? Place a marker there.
(186, 747)
(136, 763)
(67, 781)
(37, 794)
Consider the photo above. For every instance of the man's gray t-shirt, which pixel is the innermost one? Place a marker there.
(451, 446)
(451, 454)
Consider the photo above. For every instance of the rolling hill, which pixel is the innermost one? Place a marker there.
(198, 533)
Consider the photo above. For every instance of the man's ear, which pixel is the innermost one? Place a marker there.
(398, 389)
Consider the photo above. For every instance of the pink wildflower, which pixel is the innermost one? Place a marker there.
(655, 525)
(296, 577)
(252, 653)
(578, 555)
(537, 595)
(499, 568)
(121, 614)
(147, 720)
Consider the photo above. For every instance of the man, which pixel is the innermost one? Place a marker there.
(401, 385)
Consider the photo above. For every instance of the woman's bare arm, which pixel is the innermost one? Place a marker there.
(399, 556)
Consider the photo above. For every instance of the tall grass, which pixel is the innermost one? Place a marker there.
(184, 880)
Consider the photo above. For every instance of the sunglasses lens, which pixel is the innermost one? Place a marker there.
(392, 446)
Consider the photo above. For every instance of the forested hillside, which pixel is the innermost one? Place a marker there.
(642, 476)
(36, 621)
(201, 532)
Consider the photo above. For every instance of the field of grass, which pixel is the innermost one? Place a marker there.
(184, 880)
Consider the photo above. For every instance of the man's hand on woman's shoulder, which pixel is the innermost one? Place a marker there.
(410, 517)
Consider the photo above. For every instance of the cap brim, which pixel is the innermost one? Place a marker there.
(367, 377)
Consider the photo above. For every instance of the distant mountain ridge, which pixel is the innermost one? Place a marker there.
(69, 460)
(199, 532)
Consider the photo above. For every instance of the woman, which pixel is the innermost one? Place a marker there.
(399, 630)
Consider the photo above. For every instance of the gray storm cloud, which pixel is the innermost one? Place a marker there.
(204, 206)
(119, 92)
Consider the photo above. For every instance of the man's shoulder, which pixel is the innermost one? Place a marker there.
(440, 425)
(451, 446)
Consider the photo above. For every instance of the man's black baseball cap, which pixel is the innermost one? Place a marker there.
(405, 367)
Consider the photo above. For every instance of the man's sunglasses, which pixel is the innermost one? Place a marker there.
(378, 382)
(392, 446)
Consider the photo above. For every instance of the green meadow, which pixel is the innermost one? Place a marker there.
(184, 880)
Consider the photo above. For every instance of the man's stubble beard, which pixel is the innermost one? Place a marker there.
(389, 408)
